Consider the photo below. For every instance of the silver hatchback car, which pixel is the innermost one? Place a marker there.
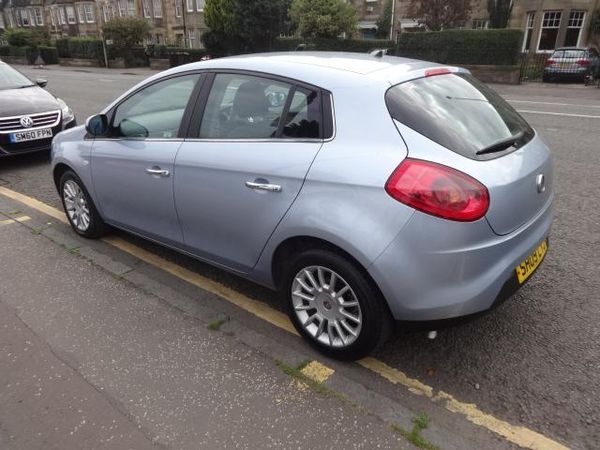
(366, 189)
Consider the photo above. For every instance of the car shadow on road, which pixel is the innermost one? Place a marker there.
(17, 162)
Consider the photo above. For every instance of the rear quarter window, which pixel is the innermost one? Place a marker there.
(459, 112)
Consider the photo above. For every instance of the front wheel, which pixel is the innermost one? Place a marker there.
(80, 209)
(334, 304)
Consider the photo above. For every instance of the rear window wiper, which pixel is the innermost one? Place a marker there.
(502, 144)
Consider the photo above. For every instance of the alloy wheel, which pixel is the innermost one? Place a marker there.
(76, 205)
(326, 306)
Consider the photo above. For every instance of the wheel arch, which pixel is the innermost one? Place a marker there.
(291, 245)
(58, 172)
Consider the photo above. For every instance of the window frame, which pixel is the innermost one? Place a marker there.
(89, 8)
(529, 28)
(327, 129)
(581, 20)
(73, 16)
(553, 27)
(80, 13)
(38, 13)
(185, 120)
(157, 9)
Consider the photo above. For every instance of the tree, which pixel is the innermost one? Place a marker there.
(441, 14)
(499, 11)
(238, 26)
(323, 18)
(384, 24)
(126, 32)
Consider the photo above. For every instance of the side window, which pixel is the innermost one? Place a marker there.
(303, 119)
(244, 107)
(156, 111)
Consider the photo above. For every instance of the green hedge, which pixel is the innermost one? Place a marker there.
(331, 45)
(501, 46)
(75, 47)
(49, 54)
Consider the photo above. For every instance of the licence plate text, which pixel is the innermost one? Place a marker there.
(527, 267)
(24, 136)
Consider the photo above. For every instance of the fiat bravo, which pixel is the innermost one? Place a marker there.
(365, 189)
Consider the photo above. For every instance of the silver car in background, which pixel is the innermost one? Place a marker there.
(366, 189)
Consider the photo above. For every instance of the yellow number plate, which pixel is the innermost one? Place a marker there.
(527, 267)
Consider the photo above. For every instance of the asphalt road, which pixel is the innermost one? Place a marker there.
(536, 360)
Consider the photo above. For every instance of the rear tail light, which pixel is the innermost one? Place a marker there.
(583, 62)
(438, 190)
(549, 62)
(437, 71)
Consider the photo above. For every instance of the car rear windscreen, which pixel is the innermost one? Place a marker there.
(568, 54)
(459, 112)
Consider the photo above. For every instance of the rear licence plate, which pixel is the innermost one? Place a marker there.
(24, 136)
(527, 267)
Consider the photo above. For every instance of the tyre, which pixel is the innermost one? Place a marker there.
(79, 208)
(335, 305)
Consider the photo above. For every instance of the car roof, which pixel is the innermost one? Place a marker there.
(324, 69)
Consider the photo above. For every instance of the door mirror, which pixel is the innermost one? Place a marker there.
(97, 125)
(41, 82)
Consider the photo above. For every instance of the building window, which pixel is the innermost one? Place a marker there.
(200, 5)
(190, 5)
(24, 18)
(157, 4)
(576, 20)
(105, 13)
(529, 22)
(480, 24)
(39, 16)
(131, 8)
(191, 38)
(549, 32)
(80, 13)
(178, 8)
(71, 15)
(61, 16)
(122, 8)
(2, 20)
(31, 17)
(146, 8)
(89, 13)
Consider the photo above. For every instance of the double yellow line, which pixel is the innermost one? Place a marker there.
(518, 435)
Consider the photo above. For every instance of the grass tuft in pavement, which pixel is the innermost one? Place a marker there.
(216, 324)
(420, 422)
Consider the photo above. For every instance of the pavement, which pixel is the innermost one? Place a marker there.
(533, 363)
(89, 360)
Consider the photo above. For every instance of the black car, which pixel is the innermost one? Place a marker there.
(29, 115)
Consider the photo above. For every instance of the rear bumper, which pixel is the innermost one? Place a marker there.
(437, 269)
(567, 73)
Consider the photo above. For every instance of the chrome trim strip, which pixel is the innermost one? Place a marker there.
(33, 116)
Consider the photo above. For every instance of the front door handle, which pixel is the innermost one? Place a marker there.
(158, 171)
(263, 186)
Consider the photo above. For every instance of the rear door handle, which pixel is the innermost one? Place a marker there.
(158, 171)
(263, 186)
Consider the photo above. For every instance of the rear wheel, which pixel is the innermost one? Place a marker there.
(334, 305)
(80, 209)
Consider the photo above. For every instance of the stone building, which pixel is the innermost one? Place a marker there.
(549, 24)
(176, 22)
